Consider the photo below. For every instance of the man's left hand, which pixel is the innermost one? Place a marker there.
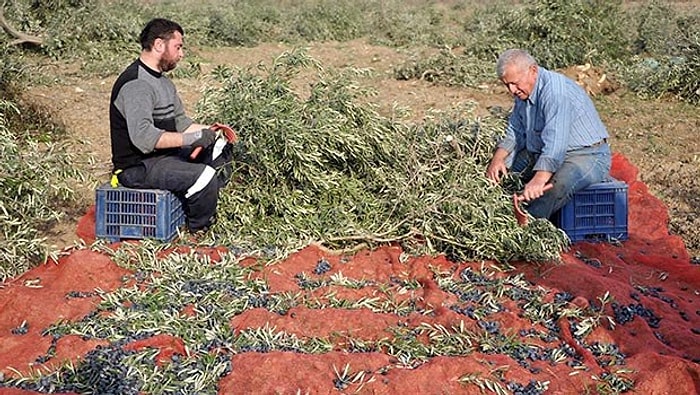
(537, 186)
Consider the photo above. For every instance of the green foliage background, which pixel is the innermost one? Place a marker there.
(35, 180)
(616, 34)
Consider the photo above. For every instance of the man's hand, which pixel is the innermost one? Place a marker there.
(201, 138)
(497, 168)
(537, 186)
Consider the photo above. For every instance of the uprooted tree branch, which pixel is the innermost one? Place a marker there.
(20, 38)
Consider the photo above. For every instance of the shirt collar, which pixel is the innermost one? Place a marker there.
(152, 72)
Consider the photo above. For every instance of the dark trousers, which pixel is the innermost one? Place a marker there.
(190, 180)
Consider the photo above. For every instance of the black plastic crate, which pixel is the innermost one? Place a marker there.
(597, 213)
(126, 213)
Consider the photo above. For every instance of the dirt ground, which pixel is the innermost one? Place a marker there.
(659, 136)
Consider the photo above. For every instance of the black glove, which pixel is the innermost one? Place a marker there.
(201, 138)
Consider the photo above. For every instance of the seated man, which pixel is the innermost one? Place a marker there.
(554, 135)
(152, 137)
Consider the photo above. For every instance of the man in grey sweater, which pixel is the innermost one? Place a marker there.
(152, 137)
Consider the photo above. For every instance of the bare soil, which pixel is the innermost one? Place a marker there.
(657, 136)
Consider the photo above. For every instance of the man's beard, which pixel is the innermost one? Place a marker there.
(167, 63)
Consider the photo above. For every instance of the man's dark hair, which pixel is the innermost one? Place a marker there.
(158, 28)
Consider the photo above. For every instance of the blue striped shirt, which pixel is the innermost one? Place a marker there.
(558, 117)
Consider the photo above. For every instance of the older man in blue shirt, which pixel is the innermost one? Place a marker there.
(554, 135)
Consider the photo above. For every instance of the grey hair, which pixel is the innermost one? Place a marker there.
(519, 57)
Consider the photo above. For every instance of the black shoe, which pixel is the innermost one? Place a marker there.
(205, 228)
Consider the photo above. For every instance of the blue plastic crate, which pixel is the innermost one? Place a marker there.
(597, 213)
(126, 213)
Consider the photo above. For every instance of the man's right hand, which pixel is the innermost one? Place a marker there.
(201, 138)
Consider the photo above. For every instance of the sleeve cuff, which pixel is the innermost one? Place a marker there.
(547, 164)
(508, 145)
